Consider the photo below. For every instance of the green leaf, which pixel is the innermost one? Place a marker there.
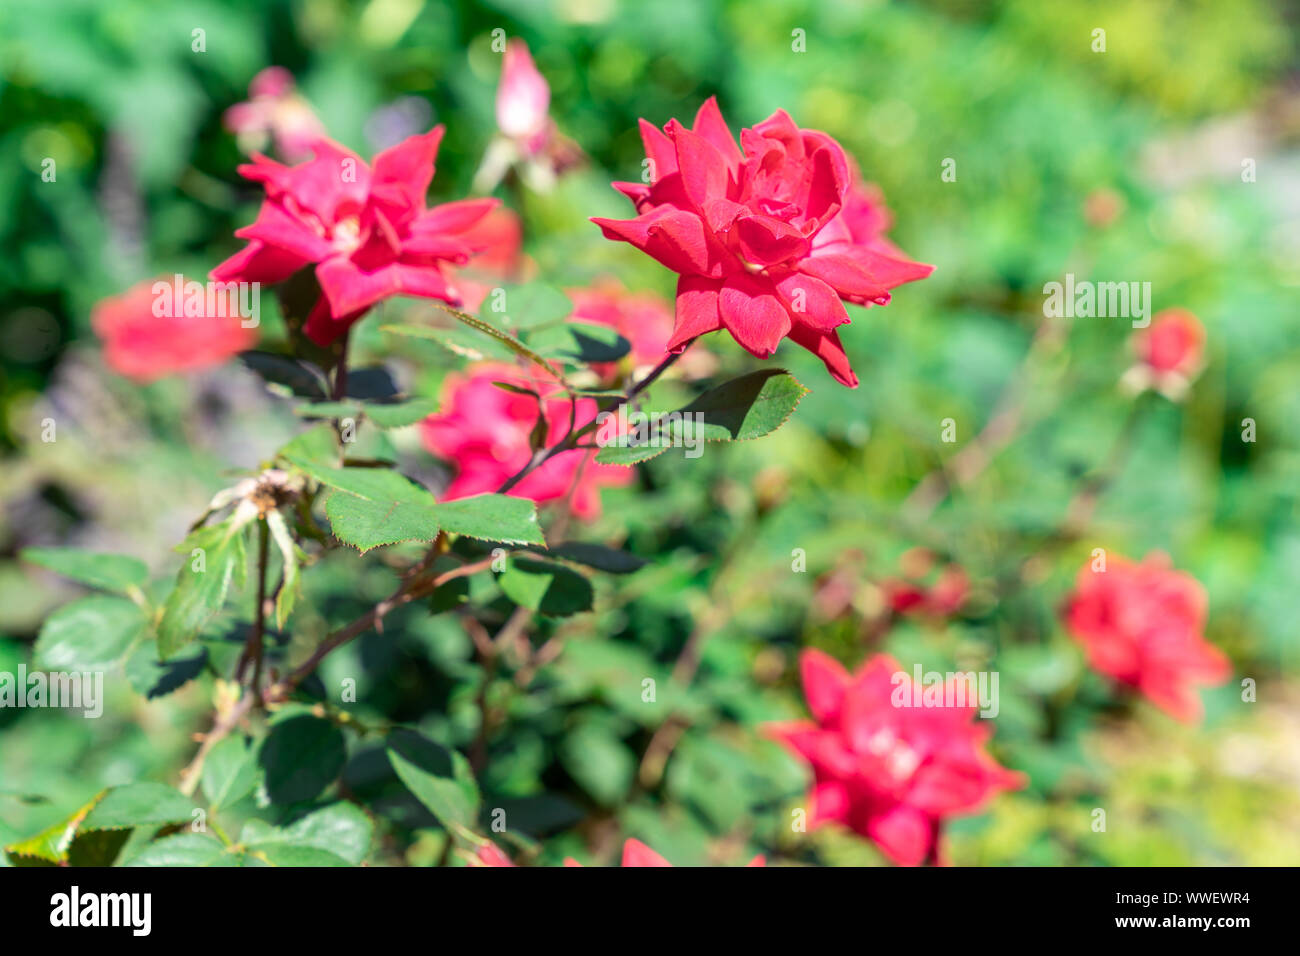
(376, 506)
(202, 583)
(599, 761)
(528, 306)
(598, 556)
(157, 678)
(340, 831)
(745, 408)
(93, 633)
(229, 772)
(185, 849)
(439, 778)
(401, 414)
(318, 446)
(456, 339)
(301, 756)
(505, 338)
(546, 587)
(51, 845)
(289, 374)
(503, 518)
(112, 572)
(328, 410)
(138, 805)
(581, 342)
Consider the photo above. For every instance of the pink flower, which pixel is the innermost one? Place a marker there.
(365, 228)
(641, 318)
(760, 239)
(636, 853)
(1142, 625)
(529, 141)
(484, 430)
(146, 335)
(889, 771)
(1170, 352)
(273, 109)
(523, 98)
(489, 854)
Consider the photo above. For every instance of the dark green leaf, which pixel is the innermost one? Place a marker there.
(598, 556)
(546, 587)
(157, 678)
(439, 778)
(301, 756)
(745, 408)
(297, 377)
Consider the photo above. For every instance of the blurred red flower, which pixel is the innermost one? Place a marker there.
(1170, 353)
(485, 430)
(1142, 625)
(640, 317)
(365, 228)
(145, 342)
(891, 773)
(761, 240)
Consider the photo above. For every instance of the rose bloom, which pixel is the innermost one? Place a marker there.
(364, 227)
(1170, 353)
(769, 243)
(484, 431)
(274, 110)
(1142, 625)
(890, 773)
(635, 853)
(145, 346)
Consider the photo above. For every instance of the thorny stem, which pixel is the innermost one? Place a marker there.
(259, 622)
(416, 585)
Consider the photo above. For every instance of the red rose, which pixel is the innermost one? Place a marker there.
(1141, 624)
(759, 238)
(1170, 353)
(891, 773)
(144, 341)
(365, 228)
(484, 430)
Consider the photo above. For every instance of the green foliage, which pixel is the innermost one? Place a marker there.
(512, 688)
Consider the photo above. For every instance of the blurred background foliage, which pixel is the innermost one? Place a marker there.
(1123, 165)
